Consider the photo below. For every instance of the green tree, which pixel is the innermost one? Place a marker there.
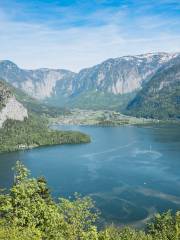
(28, 212)
(28, 205)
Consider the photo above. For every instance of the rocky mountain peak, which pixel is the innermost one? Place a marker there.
(116, 76)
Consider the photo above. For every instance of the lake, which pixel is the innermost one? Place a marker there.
(131, 172)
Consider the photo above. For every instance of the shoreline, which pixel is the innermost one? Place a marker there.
(105, 118)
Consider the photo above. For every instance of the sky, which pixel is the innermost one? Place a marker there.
(74, 34)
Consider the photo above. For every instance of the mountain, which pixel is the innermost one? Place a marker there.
(120, 75)
(23, 129)
(34, 105)
(40, 83)
(113, 83)
(109, 85)
(160, 96)
(10, 108)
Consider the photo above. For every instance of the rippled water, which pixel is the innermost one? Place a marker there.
(131, 172)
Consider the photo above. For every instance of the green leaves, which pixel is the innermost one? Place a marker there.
(30, 206)
(20, 172)
(79, 215)
(28, 212)
(165, 226)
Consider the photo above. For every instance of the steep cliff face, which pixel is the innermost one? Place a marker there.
(40, 83)
(120, 75)
(10, 108)
(113, 80)
(160, 97)
(117, 76)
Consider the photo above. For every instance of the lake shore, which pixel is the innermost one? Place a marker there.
(103, 118)
(34, 132)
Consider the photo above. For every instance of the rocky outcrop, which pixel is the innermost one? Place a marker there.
(10, 107)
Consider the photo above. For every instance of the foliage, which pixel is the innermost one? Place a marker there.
(29, 212)
(26, 207)
(34, 132)
(100, 100)
(115, 233)
(78, 224)
(165, 226)
(17, 233)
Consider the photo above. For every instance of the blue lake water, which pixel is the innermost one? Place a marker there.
(130, 172)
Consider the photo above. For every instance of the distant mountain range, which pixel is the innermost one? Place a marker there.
(113, 84)
(40, 83)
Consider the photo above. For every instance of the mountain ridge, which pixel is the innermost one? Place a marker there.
(56, 75)
(160, 97)
(111, 80)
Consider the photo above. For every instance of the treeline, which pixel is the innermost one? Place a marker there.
(34, 132)
(28, 212)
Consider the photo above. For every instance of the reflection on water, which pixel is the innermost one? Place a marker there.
(131, 172)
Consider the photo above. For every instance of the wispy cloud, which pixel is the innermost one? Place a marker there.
(82, 34)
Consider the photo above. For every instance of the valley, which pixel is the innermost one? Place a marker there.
(99, 118)
(114, 84)
(89, 120)
(131, 90)
(110, 132)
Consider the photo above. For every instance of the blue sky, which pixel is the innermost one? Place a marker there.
(75, 34)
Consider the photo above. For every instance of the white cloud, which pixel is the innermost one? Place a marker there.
(34, 45)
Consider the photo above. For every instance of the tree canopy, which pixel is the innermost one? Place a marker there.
(28, 212)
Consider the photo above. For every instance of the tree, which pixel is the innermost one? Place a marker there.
(30, 206)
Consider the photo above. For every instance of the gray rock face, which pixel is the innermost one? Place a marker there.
(40, 83)
(13, 110)
(116, 76)
(120, 75)
(10, 107)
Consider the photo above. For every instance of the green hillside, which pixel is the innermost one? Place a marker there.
(160, 97)
(94, 100)
(33, 131)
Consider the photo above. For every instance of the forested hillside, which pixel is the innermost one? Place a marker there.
(160, 97)
(34, 132)
(22, 129)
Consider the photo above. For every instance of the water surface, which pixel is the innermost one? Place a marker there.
(131, 172)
